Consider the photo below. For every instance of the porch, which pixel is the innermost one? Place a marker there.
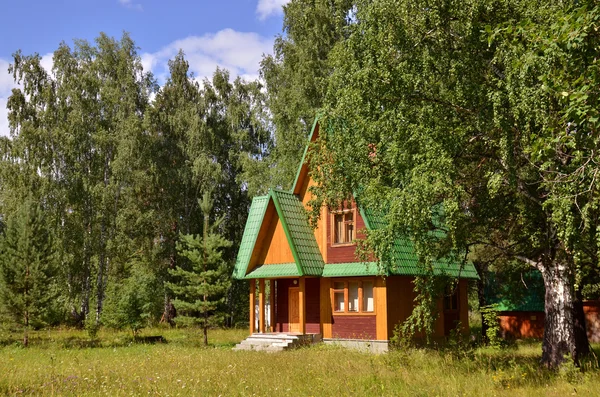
(285, 305)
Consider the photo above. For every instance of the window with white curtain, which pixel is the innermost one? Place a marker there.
(353, 296)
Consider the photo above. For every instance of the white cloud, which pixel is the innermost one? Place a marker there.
(6, 79)
(47, 62)
(238, 52)
(267, 8)
(131, 4)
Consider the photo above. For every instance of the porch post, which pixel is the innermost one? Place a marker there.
(302, 303)
(272, 304)
(252, 305)
(261, 305)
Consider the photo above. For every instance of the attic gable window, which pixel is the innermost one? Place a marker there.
(343, 227)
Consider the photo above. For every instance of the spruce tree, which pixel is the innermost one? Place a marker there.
(27, 267)
(202, 285)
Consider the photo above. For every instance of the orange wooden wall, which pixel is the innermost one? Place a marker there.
(271, 244)
(278, 249)
(531, 324)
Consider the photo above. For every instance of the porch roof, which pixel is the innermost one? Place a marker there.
(274, 271)
(300, 237)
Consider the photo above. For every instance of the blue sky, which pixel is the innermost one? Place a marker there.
(228, 33)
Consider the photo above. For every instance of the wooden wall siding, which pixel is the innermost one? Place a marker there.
(591, 310)
(521, 324)
(354, 327)
(263, 240)
(313, 315)
(275, 247)
(313, 318)
(282, 304)
(381, 308)
(346, 253)
(326, 313)
(400, 298)
(531, 324)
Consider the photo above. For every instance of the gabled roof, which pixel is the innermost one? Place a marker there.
(291, 213)
(299, 233)
(274, 270)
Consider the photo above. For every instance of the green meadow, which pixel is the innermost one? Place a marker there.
(65, 362)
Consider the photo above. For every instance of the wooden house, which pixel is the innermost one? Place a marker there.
(316, 283)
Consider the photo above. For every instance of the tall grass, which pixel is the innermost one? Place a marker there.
(62, 362)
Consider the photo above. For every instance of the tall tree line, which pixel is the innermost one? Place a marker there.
(117, 164)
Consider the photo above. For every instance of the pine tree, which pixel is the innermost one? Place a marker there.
(201, 288)
(27, 267)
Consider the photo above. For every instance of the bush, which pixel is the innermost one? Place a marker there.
(133, 302)
(492, 333)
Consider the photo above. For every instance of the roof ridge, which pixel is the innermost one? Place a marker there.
(278, 190)
(310, 136)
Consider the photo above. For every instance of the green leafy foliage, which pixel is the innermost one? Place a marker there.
(296, 77)
(133, 303)
(492, 332)
(119, 175)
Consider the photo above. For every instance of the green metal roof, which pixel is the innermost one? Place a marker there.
(255, 219)
(350, 269)
(299, 233)
(274, 270)
(516, 291)
(406, 262)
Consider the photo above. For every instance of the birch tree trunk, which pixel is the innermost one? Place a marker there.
(559, 330)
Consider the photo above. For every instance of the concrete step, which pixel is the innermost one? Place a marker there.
(274, 342)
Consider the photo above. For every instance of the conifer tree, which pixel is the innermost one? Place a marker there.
(27, 267)
(201, 286)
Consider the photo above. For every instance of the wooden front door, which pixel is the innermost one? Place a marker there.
(294, 309)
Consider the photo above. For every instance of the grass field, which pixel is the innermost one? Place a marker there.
(63, 362)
